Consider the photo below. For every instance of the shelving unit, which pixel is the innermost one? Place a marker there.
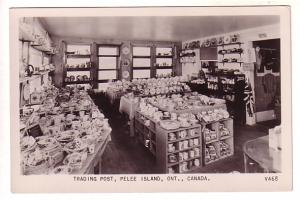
(76, 68)
(188, 56)
(164, 61)
(223, 50)
(182, 154)
(221, 146)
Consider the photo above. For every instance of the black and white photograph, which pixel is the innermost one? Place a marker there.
(150, 96)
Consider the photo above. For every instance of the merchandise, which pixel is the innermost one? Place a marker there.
(224, 149)
(62, 170)
(172, 158)
(223, 130)
(210, 153)
(70, 123)
(209, 135)
(213, 115)
(151, 86)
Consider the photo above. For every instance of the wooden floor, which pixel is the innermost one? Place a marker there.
(125, 155)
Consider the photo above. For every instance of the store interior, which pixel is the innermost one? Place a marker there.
(150, 95)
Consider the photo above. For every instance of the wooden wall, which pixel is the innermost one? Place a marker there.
(58, 59)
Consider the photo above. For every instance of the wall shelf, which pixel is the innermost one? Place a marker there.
(77, 69)
(76, 82)
(233, 43)
(78, 55)
(162, 56)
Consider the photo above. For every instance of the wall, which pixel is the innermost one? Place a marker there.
(29, 55)
(60, 42)
(247, 36)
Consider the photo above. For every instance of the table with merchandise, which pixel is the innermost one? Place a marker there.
(185, 141)
(64, 134)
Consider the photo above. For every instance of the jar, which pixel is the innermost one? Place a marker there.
(191, 153)
(185, 144)
(185, 155)
(191, 142)
(196, 141)
(197, 152)
(197, 162)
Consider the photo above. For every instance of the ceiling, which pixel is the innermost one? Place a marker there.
(158, 28)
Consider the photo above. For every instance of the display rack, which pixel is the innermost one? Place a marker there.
(237, 59)
(213, 138)
(77, 68)
(181, 154)
(183, 150)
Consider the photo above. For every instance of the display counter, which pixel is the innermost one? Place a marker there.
(185, 147)
(64, 134)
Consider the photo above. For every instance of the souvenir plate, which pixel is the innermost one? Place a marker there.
(62, 170)
(67, 136)
(75, 146)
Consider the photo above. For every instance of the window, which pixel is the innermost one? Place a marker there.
(108, 64)
(164, 61)
(141, 62)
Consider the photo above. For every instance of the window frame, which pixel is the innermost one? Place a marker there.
(143, 57)
(117, 56)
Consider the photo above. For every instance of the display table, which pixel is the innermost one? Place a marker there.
(92, 164)
(258, 151)
(63, 136)
(184, 149)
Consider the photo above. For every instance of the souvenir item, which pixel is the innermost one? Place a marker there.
(66, 136)
(76, 145)
(197, 152)
(75, 160)
(64, 169)
(197, 162)
(186, 144)
(172, 158)
(191, 154)
(27, 143)
(227, 39)
(185, 155)
(172, 136)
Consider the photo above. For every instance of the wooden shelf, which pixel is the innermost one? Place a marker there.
(162, 56)
(225, 137)
(141, 57)
(230, 53)
(177, 151)
(231, 62)
(34, 76)
(78, 55)
(212, 141)
(77, 69)
(186, 138)
(164, 67)
(77, 82)
(233, 43)
(182, 161)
